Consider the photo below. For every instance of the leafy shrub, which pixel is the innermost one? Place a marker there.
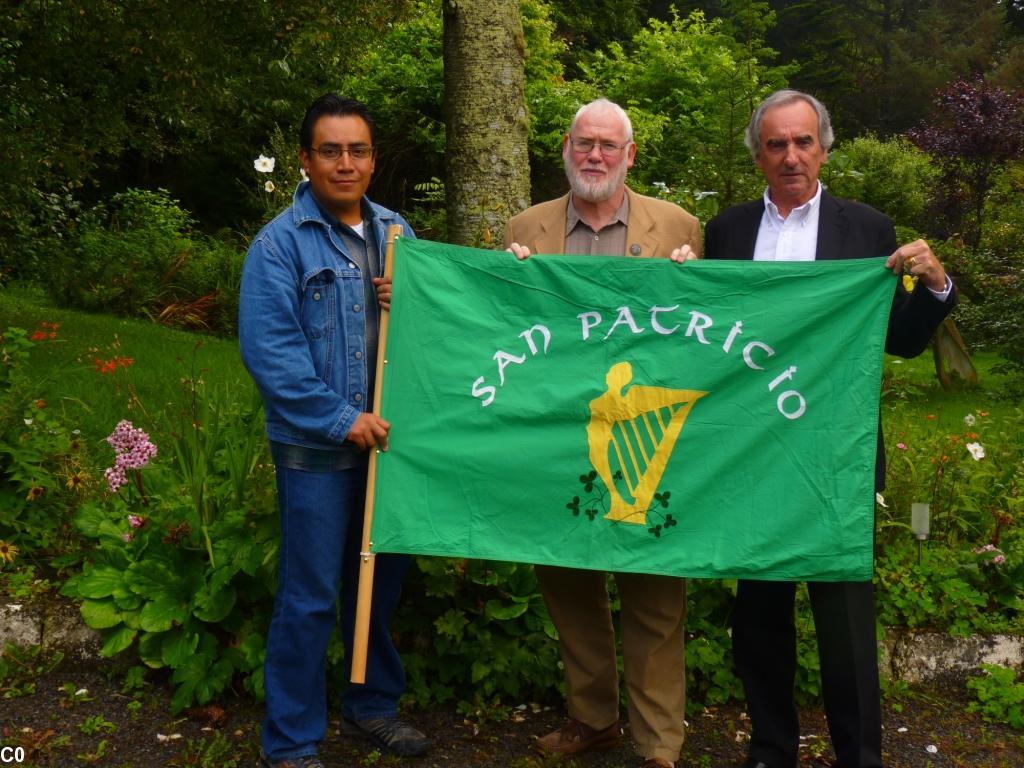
(935, 594)
(126, 254)
(35, 225)
(891, 175)
(489, 632)
(1000, 699)
(138, 255)
(710, 678)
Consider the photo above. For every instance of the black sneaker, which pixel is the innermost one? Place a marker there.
(307, 761)
(390, 733)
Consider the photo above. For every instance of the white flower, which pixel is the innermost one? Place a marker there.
(269, 186)
(969, 419)
(28, 422)
(977, 451)
(931, 749)
(880, 501)
(303, 174)
(264, 164)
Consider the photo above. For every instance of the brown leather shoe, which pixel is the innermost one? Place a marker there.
(658, 762)
(575, 737)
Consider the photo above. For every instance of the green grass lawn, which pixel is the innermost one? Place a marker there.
(69, 381)
(913, 391)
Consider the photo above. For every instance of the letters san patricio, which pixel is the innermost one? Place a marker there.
(664, 321)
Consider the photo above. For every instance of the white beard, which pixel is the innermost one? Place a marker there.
(595, 191)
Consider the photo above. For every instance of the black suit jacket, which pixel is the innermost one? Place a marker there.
(846, 230)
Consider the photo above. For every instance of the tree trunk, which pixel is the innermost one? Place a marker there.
(487, 165)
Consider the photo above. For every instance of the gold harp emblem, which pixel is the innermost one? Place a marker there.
(634, 432)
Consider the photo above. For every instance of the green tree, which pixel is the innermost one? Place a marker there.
(875, 63)
(101, 96)
(690, 87)
(974, 130)
(401, 77)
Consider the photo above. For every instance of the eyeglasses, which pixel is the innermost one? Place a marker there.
(586, 146)
(334, 151)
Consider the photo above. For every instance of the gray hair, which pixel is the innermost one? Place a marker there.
(609, 105)
(752, 138)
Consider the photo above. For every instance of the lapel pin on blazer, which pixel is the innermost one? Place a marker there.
(634, 249)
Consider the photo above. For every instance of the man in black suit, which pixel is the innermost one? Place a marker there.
(789, 136)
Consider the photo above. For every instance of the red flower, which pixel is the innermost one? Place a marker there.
(103, 367)
(47, 331)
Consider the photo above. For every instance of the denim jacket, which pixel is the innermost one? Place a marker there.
(301, 326)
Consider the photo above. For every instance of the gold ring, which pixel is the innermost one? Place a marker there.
(913, 261)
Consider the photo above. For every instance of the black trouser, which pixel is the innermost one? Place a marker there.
(764, 648)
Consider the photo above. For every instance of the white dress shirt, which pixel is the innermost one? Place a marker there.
(795, 237)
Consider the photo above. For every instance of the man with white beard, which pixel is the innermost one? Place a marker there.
(601, 216)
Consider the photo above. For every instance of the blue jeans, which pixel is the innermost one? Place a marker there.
(321, 533)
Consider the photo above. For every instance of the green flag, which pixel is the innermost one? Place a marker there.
(713, 419)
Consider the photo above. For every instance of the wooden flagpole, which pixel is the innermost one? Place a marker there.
(360, 637)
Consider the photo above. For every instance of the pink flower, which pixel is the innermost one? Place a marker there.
(115, 478)
(135, 521)
(997, 556)
(901, 446)
(133, 451)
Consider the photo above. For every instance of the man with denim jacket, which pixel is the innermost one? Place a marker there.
(308, 323)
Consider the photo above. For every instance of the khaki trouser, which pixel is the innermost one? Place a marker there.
(652, 621)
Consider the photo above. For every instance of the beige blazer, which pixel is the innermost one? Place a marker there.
(655, 227)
